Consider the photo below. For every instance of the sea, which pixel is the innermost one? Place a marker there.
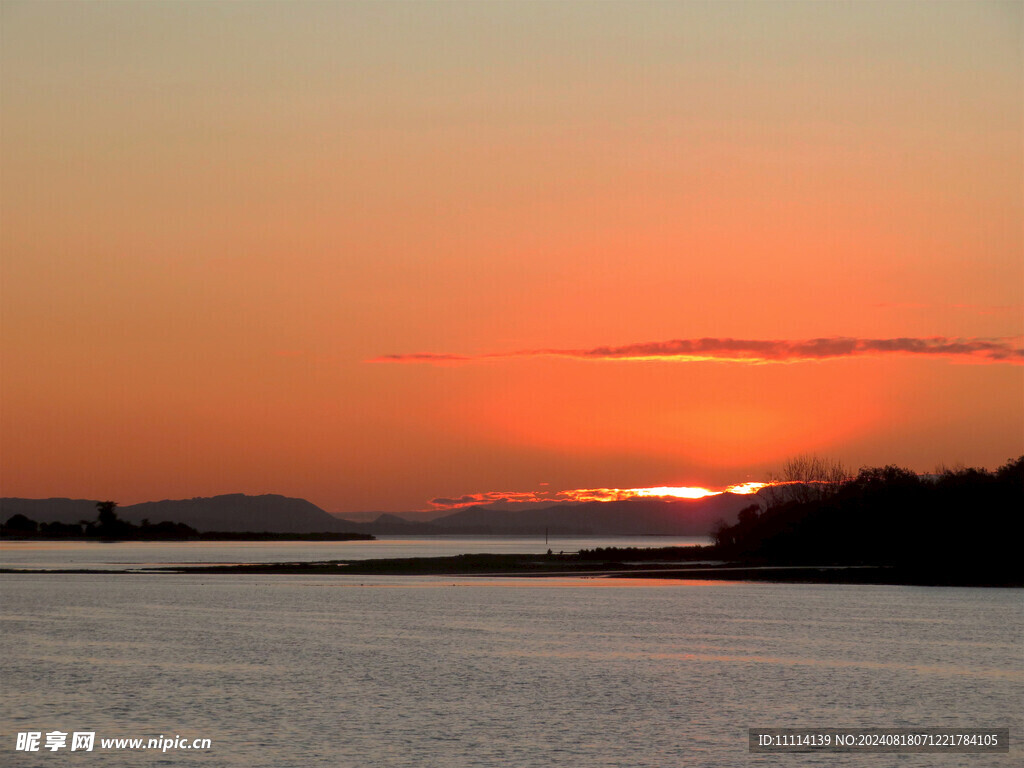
(142, 555)
(368, 671)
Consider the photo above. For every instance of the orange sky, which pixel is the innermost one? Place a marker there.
(215, 215)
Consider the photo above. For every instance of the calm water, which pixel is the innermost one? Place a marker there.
(128, 555)
(424, 672)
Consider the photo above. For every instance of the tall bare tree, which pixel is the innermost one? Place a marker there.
(805, 478)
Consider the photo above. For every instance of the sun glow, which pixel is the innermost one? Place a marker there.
(745, 488)
(593, 494)
(621, 494)
(679, 492)
(658, 492)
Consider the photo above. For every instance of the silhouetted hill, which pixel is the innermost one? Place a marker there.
(49, 510)
(676, 517)
(280, 514)
(232, 512)
(238, 512)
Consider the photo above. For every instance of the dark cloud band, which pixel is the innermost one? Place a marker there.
(996, 350)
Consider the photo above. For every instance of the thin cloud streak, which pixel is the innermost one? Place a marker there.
(577, 495)
(979, 309)
(979, 350)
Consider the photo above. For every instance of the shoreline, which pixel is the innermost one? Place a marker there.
(542, 566)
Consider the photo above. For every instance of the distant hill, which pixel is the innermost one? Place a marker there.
(672, 517)
(280, 514)
(232, 512)
(49, 510)
(675, 517)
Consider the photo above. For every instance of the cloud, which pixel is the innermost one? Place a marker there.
(577, 495)
(981, 350)
(471, 499)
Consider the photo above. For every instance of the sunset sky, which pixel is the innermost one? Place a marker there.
(373, 254)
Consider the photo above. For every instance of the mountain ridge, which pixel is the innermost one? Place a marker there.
(227, 512)
(239, 512)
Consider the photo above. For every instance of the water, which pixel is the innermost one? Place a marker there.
(128, 555)
(430, 671)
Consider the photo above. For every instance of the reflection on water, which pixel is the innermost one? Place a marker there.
(432, 671)
(124, 555)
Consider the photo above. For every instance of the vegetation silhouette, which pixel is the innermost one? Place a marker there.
(22, 524)
(894, 517)
(109, 527)
(805, 478)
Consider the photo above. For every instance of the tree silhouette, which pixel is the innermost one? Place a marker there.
(20, 523)
(805, 478)
(107, 516)
(963, 526)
